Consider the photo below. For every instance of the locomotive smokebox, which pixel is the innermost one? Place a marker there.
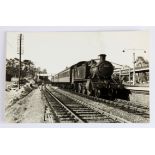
(103, 69)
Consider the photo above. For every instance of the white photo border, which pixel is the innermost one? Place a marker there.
(3, 31)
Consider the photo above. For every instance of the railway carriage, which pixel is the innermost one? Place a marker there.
(63, 79)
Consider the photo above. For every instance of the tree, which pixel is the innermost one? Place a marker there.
(12, 68)
(28, 67)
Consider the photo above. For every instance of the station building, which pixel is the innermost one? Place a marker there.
(125, 73)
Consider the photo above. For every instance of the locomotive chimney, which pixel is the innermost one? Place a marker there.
(102, 57)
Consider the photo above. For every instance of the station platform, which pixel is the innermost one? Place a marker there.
(139, 94)
(137, 88)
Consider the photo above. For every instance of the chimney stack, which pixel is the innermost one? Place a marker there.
(102, 57)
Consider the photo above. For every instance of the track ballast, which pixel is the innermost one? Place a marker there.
(65, 109)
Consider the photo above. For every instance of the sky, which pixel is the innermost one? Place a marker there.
(55, 51)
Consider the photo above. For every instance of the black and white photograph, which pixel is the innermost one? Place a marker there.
(77, 77)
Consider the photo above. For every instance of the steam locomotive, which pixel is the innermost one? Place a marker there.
(94, 77)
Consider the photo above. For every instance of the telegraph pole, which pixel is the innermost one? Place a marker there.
(20, 53)
(20, 48)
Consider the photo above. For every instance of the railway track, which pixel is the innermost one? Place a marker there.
(128, 106)
(66, 109)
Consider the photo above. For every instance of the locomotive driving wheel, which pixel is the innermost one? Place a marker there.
(111, 93)
(89, 92)
(97, 92)
(84, 90)
(79, 88)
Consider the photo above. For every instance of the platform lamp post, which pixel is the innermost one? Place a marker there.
(134, 60)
